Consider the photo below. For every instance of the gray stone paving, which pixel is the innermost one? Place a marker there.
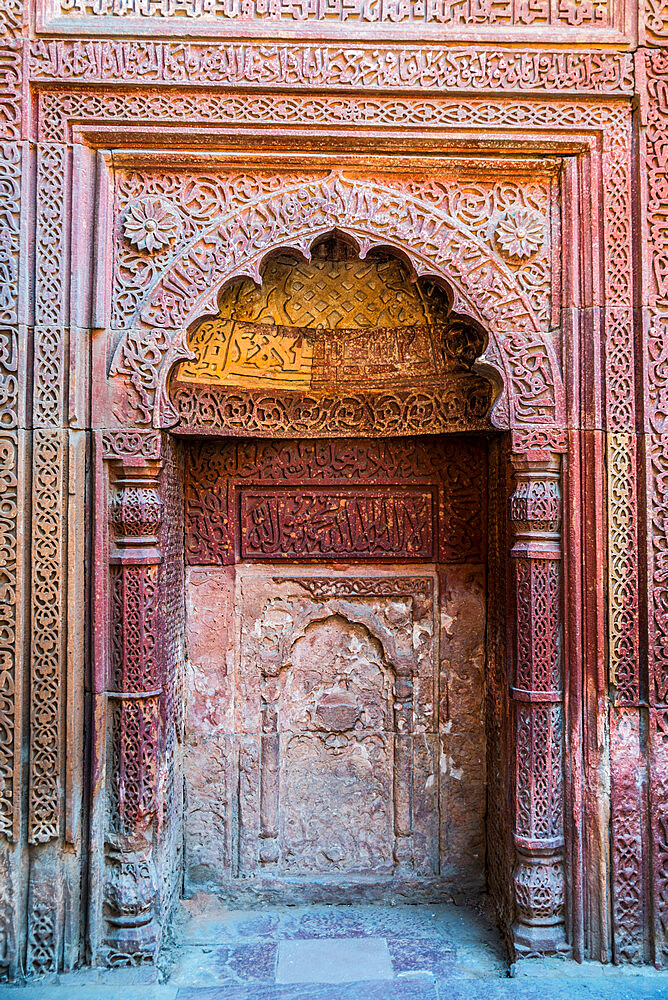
(372, 952)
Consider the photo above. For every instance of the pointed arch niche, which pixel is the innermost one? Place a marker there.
(327, 342)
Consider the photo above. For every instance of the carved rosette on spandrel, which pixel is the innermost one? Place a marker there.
(135, 688)
(537, 692)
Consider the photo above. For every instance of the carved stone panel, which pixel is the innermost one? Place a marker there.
(326, 738)
(337, 524)
(358, 499)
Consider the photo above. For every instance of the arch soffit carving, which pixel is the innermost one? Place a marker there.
(433, 243)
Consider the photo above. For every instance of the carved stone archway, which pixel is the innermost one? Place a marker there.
(531, 407)
(186, 289)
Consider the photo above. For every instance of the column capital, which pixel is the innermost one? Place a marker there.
(135, 509)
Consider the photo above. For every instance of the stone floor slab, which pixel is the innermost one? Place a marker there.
(553, 989)
(334, 960)
(96, 992)
(225, 965)
(415, 957)
(381, 990)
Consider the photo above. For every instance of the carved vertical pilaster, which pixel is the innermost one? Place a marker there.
(537, 693)
(403, 763)
(134, 691)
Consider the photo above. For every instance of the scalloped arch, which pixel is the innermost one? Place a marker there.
(434, 243)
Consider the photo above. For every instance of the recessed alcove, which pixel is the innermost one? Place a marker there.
(333, 344)
(337, 688)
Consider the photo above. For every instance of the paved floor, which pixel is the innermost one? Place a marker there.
(373, 952)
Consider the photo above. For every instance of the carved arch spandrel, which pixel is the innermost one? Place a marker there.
(435, 244)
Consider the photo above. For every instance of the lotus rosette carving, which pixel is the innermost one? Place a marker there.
(520, 234)
(150, 224)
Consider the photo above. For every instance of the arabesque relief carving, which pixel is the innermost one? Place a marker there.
(339, 199)
(221, 477)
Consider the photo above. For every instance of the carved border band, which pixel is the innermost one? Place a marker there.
(269, 64)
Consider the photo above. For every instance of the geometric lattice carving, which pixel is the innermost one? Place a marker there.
(535, 511)
(47, 633)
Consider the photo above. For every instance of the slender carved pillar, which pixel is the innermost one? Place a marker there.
(403, 751)
(135, 687)
(537, 692)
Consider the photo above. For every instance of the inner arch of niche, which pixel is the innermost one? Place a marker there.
(333, 323)
(519, 355)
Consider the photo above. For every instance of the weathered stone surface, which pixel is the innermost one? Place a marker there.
(209, 702)
(335, 677)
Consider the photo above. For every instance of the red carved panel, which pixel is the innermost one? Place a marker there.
(336, 524)
(538, 667)
(221, 494)
(460, 404)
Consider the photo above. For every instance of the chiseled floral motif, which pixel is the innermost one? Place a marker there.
(150, 223)
(520, 233)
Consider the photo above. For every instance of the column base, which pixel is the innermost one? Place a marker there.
(536, 940)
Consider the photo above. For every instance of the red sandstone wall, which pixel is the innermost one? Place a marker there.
(80, 392)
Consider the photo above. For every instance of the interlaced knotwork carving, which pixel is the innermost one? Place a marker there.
(216, 474)
(8, 610)
(137, 674)
(655, 394)
(49, 376)
(49, 473)
(538, 665)
(50, 235)
(131, 444)
(43, 939)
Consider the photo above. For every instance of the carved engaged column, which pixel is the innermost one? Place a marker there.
(535, 514)
(134, 696)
